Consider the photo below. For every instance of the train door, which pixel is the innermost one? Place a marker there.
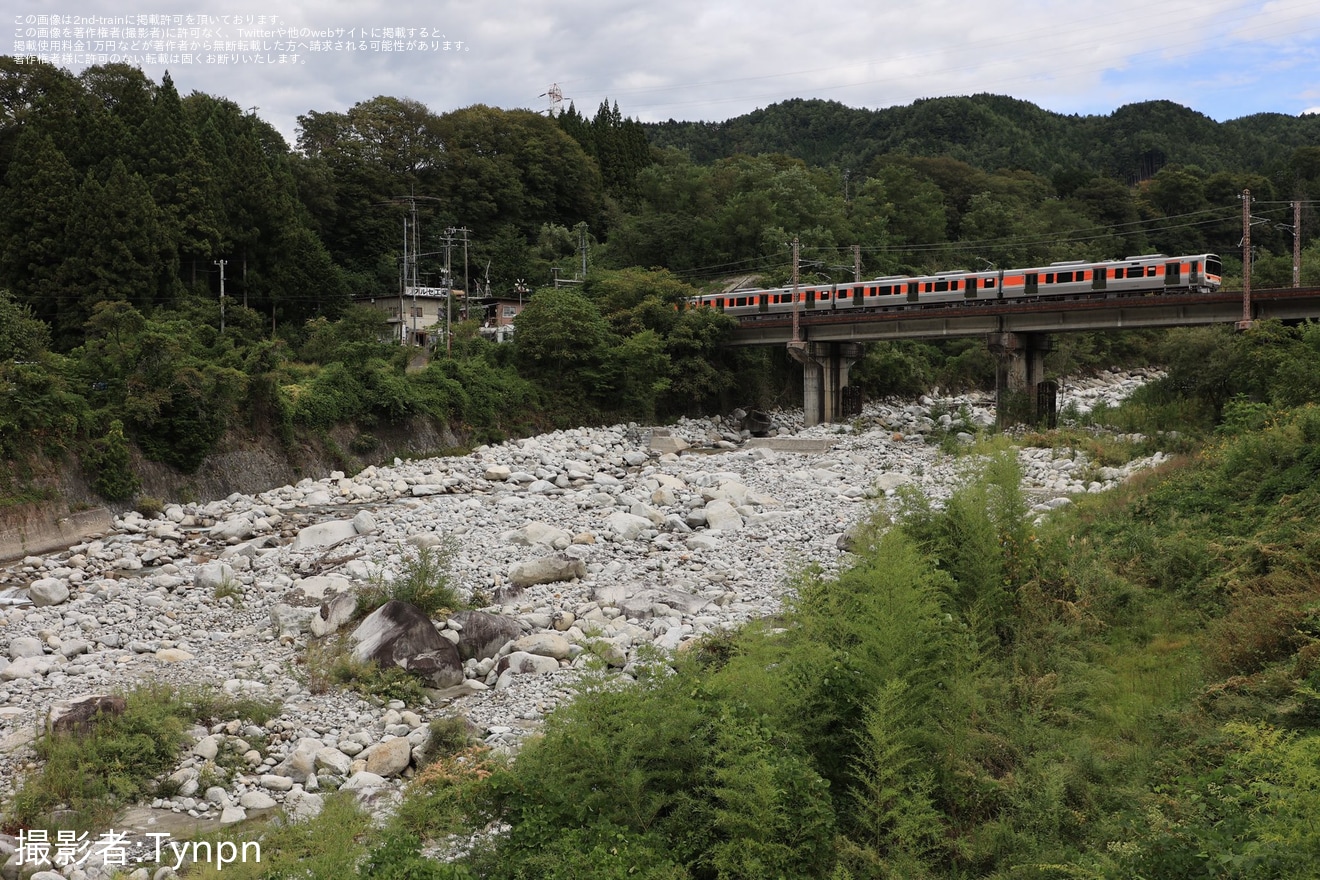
(1172, 274)
(811, 299)
(1194, 274)
(763, 303)
(1032, 284)
(913, 287)
(969, 287)
(858, 293)
(1100, 279)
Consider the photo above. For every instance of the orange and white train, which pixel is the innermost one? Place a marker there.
(1152, 273)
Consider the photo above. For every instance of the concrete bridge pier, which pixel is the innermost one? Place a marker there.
(825, 368)
(1022, 396)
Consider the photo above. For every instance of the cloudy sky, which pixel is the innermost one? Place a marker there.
(691, 60)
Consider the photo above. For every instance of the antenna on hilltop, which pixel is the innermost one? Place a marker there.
(556, 96)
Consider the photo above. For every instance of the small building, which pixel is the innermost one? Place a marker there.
(499, 312)
(417, 316)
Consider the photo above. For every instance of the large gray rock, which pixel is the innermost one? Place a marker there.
(213, 575)
(299, 610)
(389, 758)
(334, 613)
(546, 570)
(48, 591)
(535, 533)
(399, 634)
(25, 667)
(483, 634)
(364, 523)
(545, 645)
(301, 762)
(721, 517)
(335, 761)
(324, 534)
(522, 663)
(642, 602)
(238, 528)
(290, 621)
(627, 526)
(317, 589)
(25, 646)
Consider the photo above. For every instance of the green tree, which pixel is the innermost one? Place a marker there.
(561, 338)
(38, 200)
(120, 251)
(703, 366)
(111, 465)
(634, 299)
(514, 166)
(180, 179)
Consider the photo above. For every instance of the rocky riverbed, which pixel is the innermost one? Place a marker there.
(588, 545)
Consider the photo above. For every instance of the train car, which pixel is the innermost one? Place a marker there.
(953, 287)
(1148, 273)
(1144, 274)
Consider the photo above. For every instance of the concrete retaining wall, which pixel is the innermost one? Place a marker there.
(34, 529)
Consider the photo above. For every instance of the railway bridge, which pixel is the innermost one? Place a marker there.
(1018, 333)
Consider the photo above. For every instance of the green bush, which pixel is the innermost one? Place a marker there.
(425, 581)
(149, 506)
(87, 775)
(111, 466)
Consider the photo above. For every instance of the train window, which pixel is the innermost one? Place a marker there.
(1063, 277)
(941, 286)
(989, 282)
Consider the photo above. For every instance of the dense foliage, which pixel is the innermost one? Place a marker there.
(1127, 690)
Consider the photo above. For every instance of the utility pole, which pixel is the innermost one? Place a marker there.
(449, 293)
(221, 264)
(582, 248)
(403, 281)
(857, 263)
(1245, 323)
(797, 337)
(466, 292)
(1297, 243)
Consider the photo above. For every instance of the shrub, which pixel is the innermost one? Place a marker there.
(424, 582)
(114, 762)
(111, 465)
(449, 736)
(329, 665)
(149, 506)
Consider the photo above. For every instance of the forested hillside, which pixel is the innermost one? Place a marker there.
(125, 204)
(992, 132)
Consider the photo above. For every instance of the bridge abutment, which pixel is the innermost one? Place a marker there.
(1022, 396)
(825, 368)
